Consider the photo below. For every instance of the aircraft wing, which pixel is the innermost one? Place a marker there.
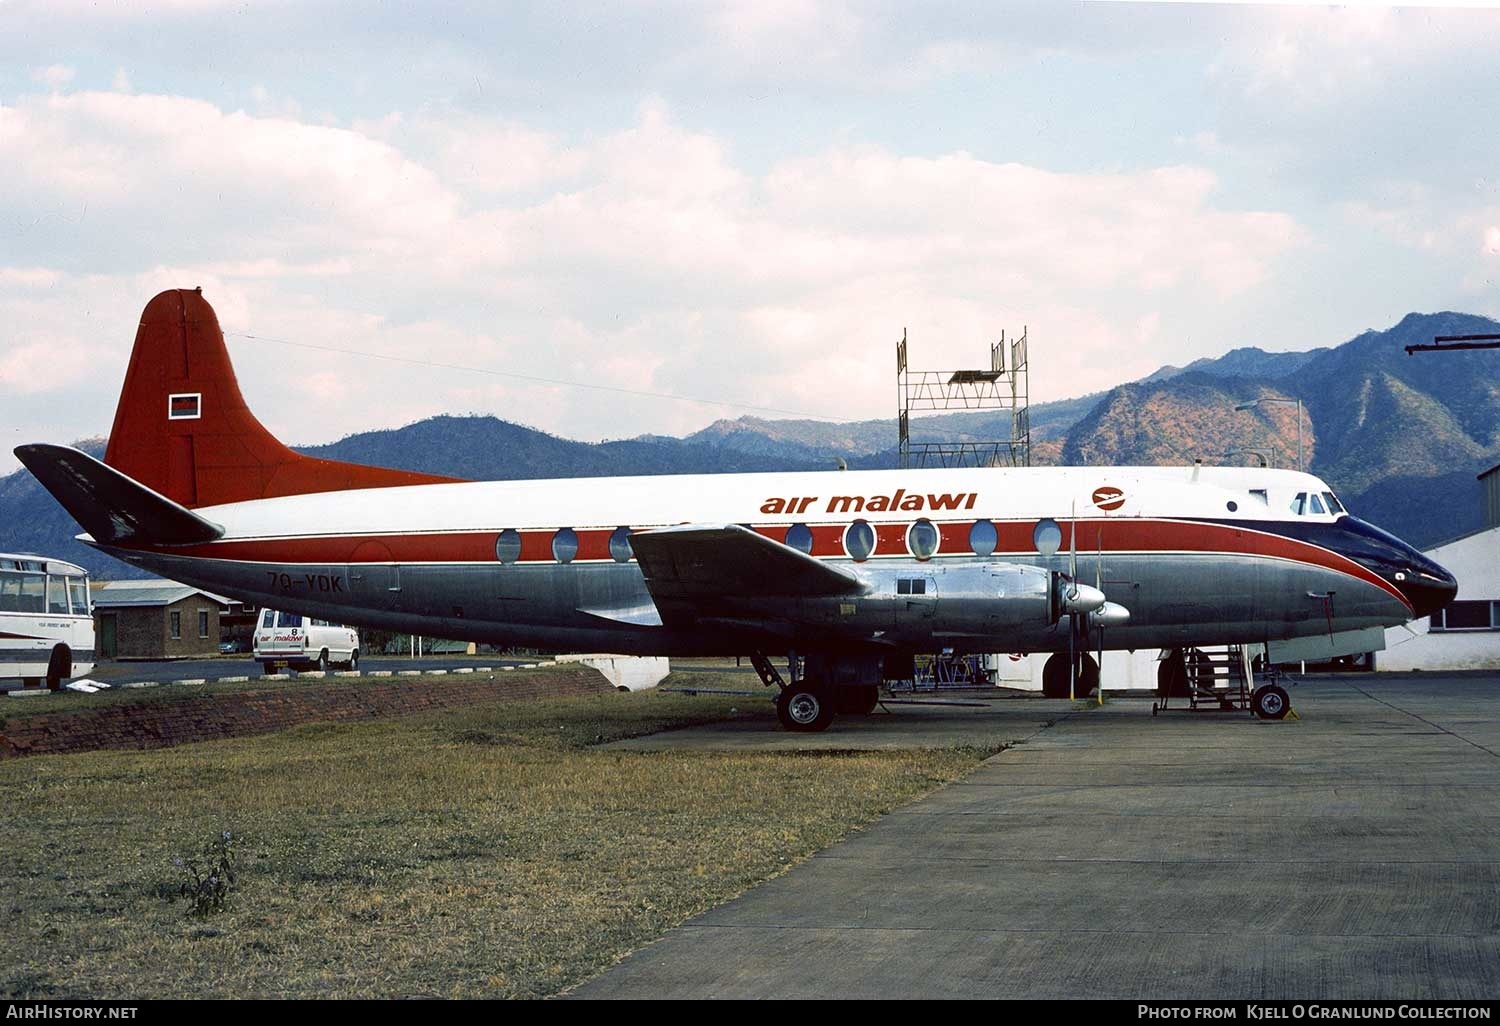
(115, 509)
(695, 567)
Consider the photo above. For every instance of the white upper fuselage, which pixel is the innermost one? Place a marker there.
(1061, 493)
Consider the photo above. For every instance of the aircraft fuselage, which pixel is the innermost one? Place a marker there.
(958, 559)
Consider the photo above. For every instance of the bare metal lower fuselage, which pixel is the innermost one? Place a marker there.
(1175, 600)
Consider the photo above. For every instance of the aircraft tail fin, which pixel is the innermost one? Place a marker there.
(183, 430)
(109, 505)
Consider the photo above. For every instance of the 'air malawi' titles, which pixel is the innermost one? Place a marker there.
(914, 503)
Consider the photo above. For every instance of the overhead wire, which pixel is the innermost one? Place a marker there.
(536, 378)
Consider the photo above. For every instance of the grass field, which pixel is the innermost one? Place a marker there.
(494, 851)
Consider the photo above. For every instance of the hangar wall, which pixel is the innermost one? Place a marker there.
(1475, 561)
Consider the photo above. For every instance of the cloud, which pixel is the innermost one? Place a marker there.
(262, 185)
(54, 75)
(649, 257)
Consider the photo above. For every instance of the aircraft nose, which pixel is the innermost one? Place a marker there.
(1427, 586)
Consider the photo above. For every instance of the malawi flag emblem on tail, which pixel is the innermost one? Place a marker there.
(187, 406)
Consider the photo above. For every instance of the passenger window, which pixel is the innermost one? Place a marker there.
(983, 538)
(289, 620)
(799, 537)
(619, 545)
(859, 540)
(33, 593)
(508, 545)
(57, 596)
(1299, 504)
(1317, 504)
(922, 539)
(78, 592)
(565, 545)
(268, 619)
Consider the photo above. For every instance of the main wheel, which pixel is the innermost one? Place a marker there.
(1172, 676)
(59, 667)
(1055, 676)
(859, 700)
(804, 710)
(1271, 702)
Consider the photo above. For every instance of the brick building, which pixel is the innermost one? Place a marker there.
(157, 619)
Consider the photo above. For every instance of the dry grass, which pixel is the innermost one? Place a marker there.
(488, 852)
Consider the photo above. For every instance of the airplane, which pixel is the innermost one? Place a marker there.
(851, 573)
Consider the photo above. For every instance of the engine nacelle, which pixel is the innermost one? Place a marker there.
(981, 598)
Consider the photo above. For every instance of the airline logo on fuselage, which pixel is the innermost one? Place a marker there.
(1109, 497)
(900, 500)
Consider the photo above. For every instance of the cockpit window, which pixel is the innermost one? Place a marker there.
(1299, 504)
(1260, 493)
(1334, 506)
(1317, 504)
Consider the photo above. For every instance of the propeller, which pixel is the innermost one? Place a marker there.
(1099, 584)
(1073, 616)
(1087, 608)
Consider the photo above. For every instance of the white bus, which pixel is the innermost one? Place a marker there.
(46, 623)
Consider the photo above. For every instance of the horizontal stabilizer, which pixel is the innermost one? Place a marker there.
(697, 562)
(113, 508)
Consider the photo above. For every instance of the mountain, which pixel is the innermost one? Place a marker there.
(489, 449)
(1400, 437)
(1245, 362)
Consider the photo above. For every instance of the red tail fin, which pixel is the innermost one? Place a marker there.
(183, 429)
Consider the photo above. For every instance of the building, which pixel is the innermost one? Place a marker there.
(158, 619)
(1466, 635)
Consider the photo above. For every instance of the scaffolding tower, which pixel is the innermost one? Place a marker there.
(1002, 387)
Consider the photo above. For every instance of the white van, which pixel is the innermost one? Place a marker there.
(301, 641)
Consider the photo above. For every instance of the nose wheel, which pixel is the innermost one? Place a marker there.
(1270, 702)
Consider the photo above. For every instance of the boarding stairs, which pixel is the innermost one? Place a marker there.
(1212, 678)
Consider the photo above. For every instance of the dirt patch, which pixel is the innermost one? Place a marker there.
(211, 716)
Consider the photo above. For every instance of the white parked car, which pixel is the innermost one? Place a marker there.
(301, 641)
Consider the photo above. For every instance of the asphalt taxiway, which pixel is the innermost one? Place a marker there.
(1351, 853)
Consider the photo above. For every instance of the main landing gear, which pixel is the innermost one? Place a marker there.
(825, 685)
(802, 708)
(1057, 681)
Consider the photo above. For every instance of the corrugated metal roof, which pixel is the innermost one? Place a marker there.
(148, 593)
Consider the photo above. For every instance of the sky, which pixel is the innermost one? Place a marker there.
(707, 210)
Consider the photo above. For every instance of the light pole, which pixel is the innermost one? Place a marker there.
(1280, 399)
(1265, 454)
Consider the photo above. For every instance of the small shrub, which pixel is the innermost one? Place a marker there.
(210, 877)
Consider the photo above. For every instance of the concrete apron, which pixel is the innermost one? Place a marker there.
(1354, 853)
